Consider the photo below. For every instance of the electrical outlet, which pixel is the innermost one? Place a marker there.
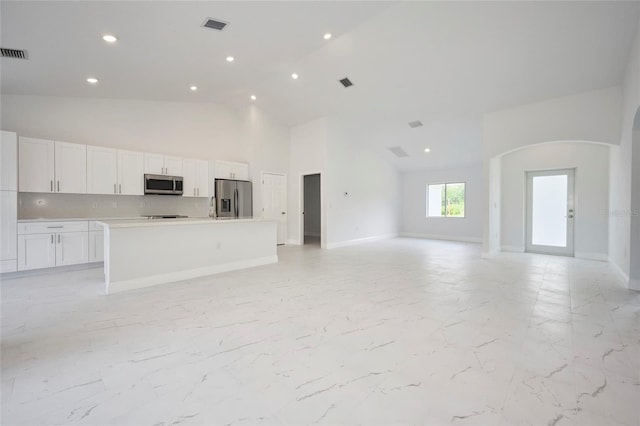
(115, 205)
(94, 205)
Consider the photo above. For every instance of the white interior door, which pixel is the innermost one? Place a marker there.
(274, 202)
(550, 212)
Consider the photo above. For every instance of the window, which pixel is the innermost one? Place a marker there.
(445, 200)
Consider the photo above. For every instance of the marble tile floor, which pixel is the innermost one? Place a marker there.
(403, 331)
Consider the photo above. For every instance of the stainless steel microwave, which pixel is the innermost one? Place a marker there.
(161, 184)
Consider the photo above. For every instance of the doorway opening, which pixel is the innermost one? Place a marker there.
(550, 212)
(311, 210)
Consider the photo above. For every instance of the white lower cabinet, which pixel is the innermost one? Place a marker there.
(36, 251)
(49, 244)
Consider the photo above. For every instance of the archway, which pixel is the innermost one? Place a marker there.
(506, 210)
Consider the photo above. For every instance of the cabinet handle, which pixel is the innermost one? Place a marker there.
(194, 192)
(58, 186)
(55, 227)
(51, 184)
(198, 191)
(51, 240)
(58, 238)
(114, 188)
(120, 187)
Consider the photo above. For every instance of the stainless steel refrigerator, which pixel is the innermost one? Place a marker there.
(233, 198)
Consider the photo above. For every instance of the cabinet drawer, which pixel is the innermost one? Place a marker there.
(94, 226)
(52, 227)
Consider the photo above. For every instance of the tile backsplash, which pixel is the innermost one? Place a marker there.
(57, 206)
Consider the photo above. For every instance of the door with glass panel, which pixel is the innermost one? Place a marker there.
(550, 212)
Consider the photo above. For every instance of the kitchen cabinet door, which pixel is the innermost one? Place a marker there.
(202, 171)
(130, 172)
(36, 165)
(154, 164)
(240, 171)
(72, 248)
(190, 176)
(70, 168)
(223, 170)
(102, 170)
(8, 161)
(8, 225)
(173, 166)
(96, 246)
(36, 251)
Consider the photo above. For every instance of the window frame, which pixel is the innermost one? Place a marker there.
(464, 214)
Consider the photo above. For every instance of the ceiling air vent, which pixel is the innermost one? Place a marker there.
(398, 151)
(214, 24)
(13, 53)
(414, 124)
(346, 82)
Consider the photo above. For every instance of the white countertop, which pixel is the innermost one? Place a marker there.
(143, 222)
(71, 219)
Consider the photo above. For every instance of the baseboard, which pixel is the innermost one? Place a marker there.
(294, 242)
(512, 249)
(360, 241)
(621, 274)
(442, 237)
(634, 285)
(591, 256)
(120, 286)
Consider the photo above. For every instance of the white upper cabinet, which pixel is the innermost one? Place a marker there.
(36, 165)
(114, 171)
(231, 170)
(153, 164)
(71, 168)
(130, 172)
(173, 166)
(48, 166)
(102, 170)
(158, 164)
(8, 161)
(196, 178)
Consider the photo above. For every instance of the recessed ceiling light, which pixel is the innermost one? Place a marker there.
(92, 80)
(427, 150)
(230, 58)
(109, 38)
(294, 76)
(327, 36)
(253, 97)
(193, 88)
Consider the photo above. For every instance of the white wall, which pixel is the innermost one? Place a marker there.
(623, 162)
(370, 208)
(307, 155)
(592, 116)
(414, 198)
(190, 130)
(362, 191)
(591, 162)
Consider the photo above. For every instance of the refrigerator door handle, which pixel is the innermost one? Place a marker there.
(237, 198)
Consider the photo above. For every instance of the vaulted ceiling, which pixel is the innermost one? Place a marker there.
(443, 63)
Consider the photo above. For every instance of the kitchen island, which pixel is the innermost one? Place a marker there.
(145, 252)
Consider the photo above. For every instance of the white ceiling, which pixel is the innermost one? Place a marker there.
(444, 63)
